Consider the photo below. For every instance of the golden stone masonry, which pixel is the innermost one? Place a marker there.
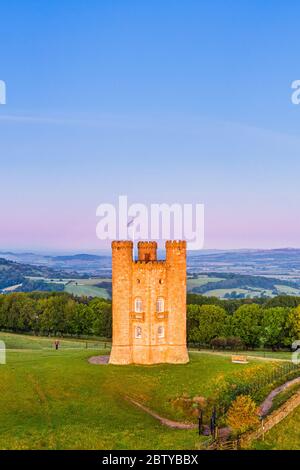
(149, 304)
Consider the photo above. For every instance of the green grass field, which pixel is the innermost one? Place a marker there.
(57, 400)
(284, 436)
(258, 353)
(78, 289)
(13, 341)
(221, 293)
(288, 290)
(201, 281)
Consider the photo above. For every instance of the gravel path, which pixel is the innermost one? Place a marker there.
(267, 403)
(228, 354)
(99, 360)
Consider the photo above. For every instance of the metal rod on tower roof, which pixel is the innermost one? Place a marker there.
(128, 225)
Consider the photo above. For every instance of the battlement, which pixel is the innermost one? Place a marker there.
(147, 251)
(176, 244)
(122, 244)
(149, 264)
(147, 244)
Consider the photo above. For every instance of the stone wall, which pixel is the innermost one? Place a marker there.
(271, 420)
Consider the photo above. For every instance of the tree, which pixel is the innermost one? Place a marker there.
(274, 326)
(102, 317)
(283, 301)
(242, 414)
(206, 322)
(293, 326)
(246, 323)
(55, 313)
(235, 343)
(219, 343)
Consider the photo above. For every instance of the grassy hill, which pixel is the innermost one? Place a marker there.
(15, 276)
(236, 274)
(57, 400)
(231, 285)
(284, 436)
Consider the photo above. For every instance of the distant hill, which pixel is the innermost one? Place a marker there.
(229, 285)
(81, 264)
(277, 262)
(15, 274)
(80, 257)
(231, 273)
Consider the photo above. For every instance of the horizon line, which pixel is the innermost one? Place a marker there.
(94, 251)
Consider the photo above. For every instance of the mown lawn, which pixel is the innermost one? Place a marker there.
(262, 354)
(13, 341)
(57, 400)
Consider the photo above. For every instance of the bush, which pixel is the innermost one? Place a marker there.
(219, 342)
(235, 343)
(242, 414)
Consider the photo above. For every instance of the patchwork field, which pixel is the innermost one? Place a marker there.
(57, 400)
(201, 280)
(80, 287)
(233, 285)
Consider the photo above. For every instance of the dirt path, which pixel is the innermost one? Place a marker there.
(165, 421)
(268, 402)
(223, 432)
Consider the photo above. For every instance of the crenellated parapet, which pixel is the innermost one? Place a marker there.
(147, 251)
(155, 266)
(148, 244)
(150, 263)
(122, 245)
(176, 245)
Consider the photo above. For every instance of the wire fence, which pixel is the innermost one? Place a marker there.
(257, 387)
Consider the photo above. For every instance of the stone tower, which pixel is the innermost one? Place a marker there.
(149, 304)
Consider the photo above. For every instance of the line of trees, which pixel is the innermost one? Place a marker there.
(250, 325)
(55, 314)
(211, 322)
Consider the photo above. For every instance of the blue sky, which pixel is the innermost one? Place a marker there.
(162, 101)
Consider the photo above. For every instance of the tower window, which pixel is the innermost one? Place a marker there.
(160, 305)
(138, 332)
(161, 332)
(138, 305)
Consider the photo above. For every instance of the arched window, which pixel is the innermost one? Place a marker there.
(138, 305)
(160, 305)
(138, 332)
(161, 332)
